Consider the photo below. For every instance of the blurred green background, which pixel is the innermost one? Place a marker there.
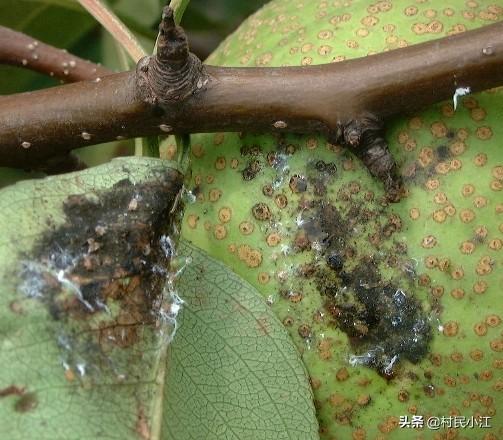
(65, 24)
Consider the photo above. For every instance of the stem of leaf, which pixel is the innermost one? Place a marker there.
(183, 152)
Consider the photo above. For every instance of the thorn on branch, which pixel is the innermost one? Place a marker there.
(365, 138)
(174, 73)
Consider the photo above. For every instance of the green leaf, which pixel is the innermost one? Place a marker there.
(80, 349)
(233, 370)
(87, 313)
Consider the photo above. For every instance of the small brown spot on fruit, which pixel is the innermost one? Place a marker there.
(198, 150)
(480, 159)
(467, 247)
(437, 291)
(295, 297)
(484, 133)
(298, 184)
(442, 167)
(457, 273)
(304, 331)
(363, 400)
(220, 163)
(424, 280)
(467, 190)
(251, 257)
(477, 355)
(273, 239)
(451, 328)
(439, 216)
(288, 321)
(493, 320)
(479, 202)
(440, 198)
(403, 396)
(225, 214)
(268, 190)
(467, 215)
(457, 357)
(281, 201)
(457, 148)
(457, 293)
(342, 374)
(480, 329)
(432, 184)
(215, 194)
(429, 242)
(438, 129)
(192, 220)
(497, 172)
(261, 211)
(263, 277)
(431, 261)
(450, 210)
(480, 287)
(485, 265)
(444, 264)
(219, 138)
(414, 213)
(450, 381)
(220, 232)
(27, 402)
(246, 228)
(496, 185)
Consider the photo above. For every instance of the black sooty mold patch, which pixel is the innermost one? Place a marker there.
(383, 321)
(102, 272)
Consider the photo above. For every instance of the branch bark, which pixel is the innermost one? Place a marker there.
(174, 93)
(18, 49)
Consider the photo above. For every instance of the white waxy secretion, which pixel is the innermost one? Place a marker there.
(460, 91)
(166, 128)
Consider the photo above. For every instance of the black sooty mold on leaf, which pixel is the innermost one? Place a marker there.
(102, 273)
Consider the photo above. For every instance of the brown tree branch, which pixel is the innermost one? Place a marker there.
(20, 50)
(174, 93)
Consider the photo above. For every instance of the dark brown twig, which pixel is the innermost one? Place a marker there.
(20, 50)
(173, 93)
